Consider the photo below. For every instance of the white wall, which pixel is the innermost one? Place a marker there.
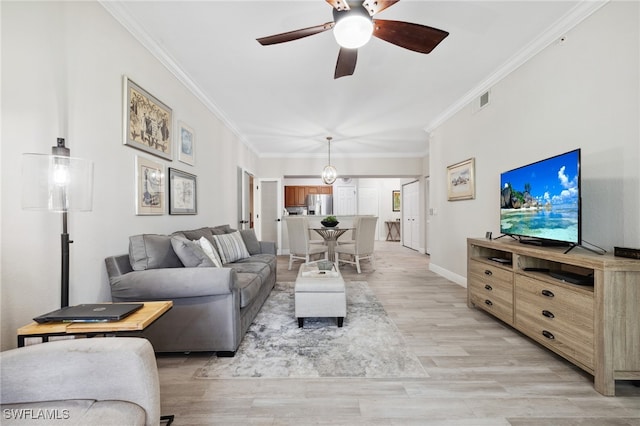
(582, 93)
(62, 67)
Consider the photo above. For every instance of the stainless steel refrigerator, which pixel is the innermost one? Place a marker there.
(320, 204)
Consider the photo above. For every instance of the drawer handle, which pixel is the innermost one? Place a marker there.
(488, 272)
(547, 293)
(488, 287)
(488, 302)
(548, 314)
(548, 335)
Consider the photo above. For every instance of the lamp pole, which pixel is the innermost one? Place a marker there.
(62, 151)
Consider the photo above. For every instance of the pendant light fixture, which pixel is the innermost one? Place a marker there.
(329, 173)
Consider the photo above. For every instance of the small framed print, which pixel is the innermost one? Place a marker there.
(395, 196)
(461, 181)
(186, 142)
(149, 187)
(147, 121)
(182, 192)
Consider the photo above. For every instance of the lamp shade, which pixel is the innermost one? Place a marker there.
(329, 175)
(56, 183)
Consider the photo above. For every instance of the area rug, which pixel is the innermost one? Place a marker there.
(368, 345)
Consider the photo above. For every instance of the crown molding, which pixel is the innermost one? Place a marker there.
(119, 11)
(571, 19)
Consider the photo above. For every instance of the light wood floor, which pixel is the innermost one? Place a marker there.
(481, 372)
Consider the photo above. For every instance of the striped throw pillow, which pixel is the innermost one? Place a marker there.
(231, 247)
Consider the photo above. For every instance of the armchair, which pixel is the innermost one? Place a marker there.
(106, 381)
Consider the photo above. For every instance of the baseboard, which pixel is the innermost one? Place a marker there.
(458, 279)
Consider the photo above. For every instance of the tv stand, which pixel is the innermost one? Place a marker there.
(596, 327)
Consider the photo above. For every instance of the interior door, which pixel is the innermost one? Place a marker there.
(344, 200)
(410, 216)
(368, 204)
(245, 199)
(269, 216)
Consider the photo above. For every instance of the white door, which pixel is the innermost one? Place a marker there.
(427, 215)
(268, 205)
(368, 204)
(344, 200)
(410, 216)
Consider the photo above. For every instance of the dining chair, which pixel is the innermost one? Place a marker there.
(363, 246)
(299, 245)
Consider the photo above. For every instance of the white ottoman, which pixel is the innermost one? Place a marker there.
(319, 294)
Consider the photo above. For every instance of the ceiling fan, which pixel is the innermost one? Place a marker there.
(353, 25)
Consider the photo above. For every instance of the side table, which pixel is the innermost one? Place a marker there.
(135, 322)
(393, 230)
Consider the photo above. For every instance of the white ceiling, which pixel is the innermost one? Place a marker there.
(282, 100)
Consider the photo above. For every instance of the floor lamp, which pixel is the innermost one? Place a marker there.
(58, 183)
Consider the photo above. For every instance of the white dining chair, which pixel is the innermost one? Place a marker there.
(299, 245)
(363, 246)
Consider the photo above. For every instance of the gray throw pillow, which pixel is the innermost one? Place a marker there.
(196, 234)
(152, 251)
(190, 253)
(251, 241)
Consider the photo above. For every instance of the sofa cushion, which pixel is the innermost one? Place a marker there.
(222, 229)
(250, 241)
(210, 251)
(152, 251)
(231, 247)
(268, 259)
(190, 253)
(249, 286)
(196, 234)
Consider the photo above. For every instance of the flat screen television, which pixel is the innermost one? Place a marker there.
(540, 202)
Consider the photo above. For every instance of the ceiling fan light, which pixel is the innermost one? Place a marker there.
(329, 175)
(353, 32)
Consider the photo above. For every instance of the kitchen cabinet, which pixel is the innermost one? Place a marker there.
(296, 195)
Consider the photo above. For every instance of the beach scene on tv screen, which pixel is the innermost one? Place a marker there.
(542, 200)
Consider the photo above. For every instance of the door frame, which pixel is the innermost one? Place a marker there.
(258, 206)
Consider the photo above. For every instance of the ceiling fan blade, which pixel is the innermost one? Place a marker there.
(377, 6)
(416, 37)
(346, 64)
(339, 4)
(295, 35)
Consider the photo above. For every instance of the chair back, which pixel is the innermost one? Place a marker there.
(298, 228)
(366, 235)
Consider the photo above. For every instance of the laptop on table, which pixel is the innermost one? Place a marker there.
(90, 312)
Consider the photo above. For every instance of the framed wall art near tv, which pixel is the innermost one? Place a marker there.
(147, 121)
(186, 144)
(149, 187)
(182, 192)
(395, 198)
(461, 183)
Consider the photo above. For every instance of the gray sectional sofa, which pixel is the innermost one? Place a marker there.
(213, 306)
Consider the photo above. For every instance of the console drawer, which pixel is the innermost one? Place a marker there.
(558, 317)
(491, 289)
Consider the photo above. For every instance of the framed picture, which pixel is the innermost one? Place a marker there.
(461, 181)
(395, 196)
(149, 187)
(147, 122)
(182, 192)
(186, 144)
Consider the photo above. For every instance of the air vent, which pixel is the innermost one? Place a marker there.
(484, 99)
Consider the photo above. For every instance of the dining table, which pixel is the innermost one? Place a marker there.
(330, 236)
